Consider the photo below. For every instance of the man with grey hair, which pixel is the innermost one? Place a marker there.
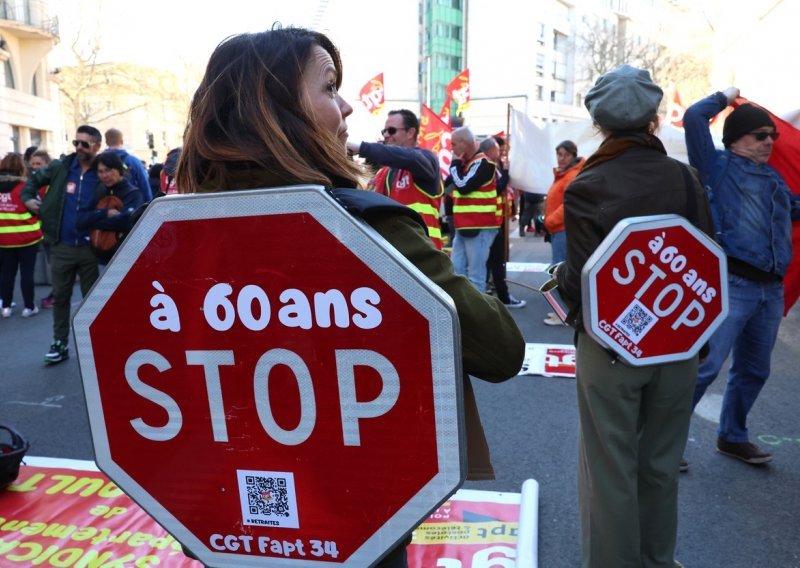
(475, 219)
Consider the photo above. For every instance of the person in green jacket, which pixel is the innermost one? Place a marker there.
(73, 182)
(287, 125)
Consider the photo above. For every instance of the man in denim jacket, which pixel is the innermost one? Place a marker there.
(753, 209)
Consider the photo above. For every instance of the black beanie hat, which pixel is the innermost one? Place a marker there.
(743, 120)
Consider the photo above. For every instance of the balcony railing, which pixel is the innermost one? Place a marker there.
(30, 12)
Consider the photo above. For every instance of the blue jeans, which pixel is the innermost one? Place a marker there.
(750, 330)
(470, 255)
(558, 241)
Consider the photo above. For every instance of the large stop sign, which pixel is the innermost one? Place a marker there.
(271, 381)
(655, 289)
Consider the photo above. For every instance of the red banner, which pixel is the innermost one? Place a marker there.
(473, 528)
(786, 159)
(372, 94)
(60, 516)
(69, 517)
(434, 135)
(458, 90)
(548, 360)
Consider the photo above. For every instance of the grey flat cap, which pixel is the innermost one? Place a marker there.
(624, 99)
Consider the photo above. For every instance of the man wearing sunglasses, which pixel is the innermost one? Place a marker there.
(753, 210)
(408, 174)
(72, 184)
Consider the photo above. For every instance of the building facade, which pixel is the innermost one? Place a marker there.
(29, 108)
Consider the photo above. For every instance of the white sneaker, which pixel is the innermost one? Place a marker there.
(6, 312)
(26, 313)
(553, 319)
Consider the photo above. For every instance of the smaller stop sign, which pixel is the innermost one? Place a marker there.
(655, 290)
(271, 381)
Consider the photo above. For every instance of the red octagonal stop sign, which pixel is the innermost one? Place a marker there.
(272, 382)
(655, 289)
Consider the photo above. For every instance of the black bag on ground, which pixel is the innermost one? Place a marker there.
(11, 455)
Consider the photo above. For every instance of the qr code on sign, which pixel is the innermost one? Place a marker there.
(635, 321)
(268, 498)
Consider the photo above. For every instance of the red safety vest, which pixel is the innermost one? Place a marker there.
(478, 209)
(18, 227)
(399, 185)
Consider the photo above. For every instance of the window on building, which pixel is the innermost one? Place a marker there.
(560, 90)
(35, 84)
(552, 96)
(541, 36)
(447, 31)
(37, 138)
(540, 64)
(539, 93)
(559, 42)
(15, 139)
(9, 74)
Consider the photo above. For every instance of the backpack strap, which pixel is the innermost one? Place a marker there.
(368, 205)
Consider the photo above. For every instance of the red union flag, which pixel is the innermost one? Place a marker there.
(372, 94)
(786, 159)
(654, 290)
(675, 110)
(434, 135)
(458, 90)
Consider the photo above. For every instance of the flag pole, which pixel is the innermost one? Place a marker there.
(506, 214)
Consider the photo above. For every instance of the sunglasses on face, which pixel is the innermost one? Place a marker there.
(81, 143)
(761, 136)
(391, 131)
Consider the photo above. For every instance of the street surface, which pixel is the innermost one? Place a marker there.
(732, 515)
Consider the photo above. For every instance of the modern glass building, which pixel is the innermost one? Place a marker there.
(442, 47)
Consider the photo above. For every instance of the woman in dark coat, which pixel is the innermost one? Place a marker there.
(119, 220)
(634, 421)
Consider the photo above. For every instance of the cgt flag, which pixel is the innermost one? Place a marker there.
(434, 135)
(458, 90)
(372, 94)
(786, 159)
(675, 110)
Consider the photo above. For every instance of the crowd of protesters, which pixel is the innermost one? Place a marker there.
(62, 219)
(633, 420)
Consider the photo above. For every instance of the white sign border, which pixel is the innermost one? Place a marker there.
(607, 248)
(364, 242)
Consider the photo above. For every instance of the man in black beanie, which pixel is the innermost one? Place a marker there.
(753, 210)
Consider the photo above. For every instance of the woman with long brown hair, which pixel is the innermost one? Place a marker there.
(268, 113)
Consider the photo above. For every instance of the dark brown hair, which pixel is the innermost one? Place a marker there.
(250, 111)
(12, 164)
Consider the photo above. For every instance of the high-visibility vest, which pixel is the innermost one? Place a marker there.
(399, 185)
(477, 209)
(18, 227)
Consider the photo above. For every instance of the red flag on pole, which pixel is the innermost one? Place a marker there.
(675, 110)
(458, 90)
(786, 159)
(434, 135)
(372, 94)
